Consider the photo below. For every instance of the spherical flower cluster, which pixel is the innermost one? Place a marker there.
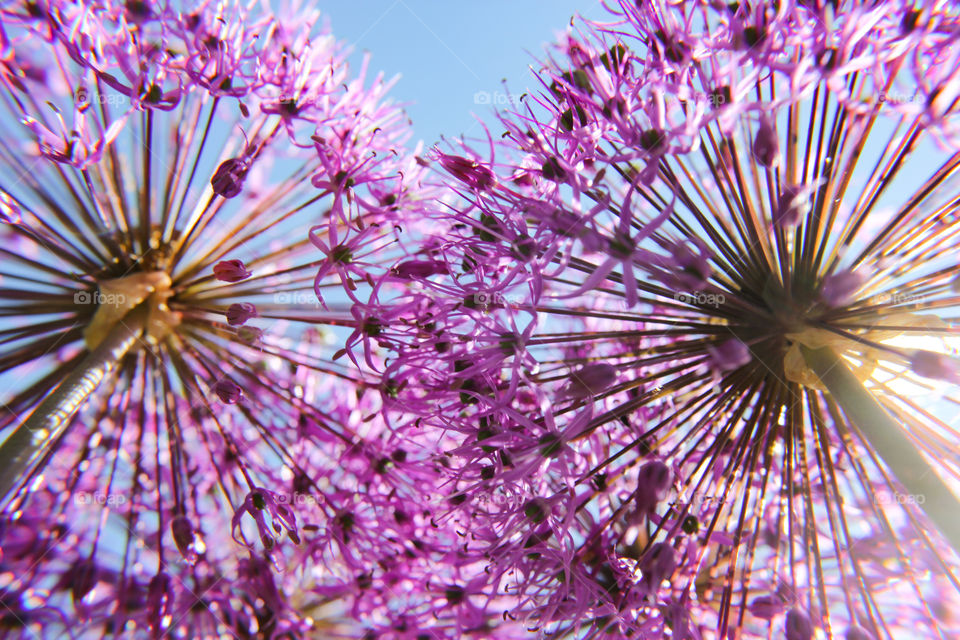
(162, 167)
(683, 345)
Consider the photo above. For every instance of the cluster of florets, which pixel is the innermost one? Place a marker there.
(181, 156)
(573, 405)
(117, 60)
(565, 331)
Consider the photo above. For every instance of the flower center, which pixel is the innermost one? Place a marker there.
(119, 296)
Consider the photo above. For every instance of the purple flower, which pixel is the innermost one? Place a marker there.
(652, 357)
(271, 516)
(149, 163)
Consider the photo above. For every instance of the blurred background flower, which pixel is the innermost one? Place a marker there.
(162, 167)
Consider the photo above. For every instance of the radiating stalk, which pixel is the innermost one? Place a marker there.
(29, 443)
(886, 436)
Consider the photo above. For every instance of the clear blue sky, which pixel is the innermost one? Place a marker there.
(453, 54)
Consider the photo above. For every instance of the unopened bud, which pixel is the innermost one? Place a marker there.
(238, 313)
(840, 287)
(185, 538)
(468, 171)
(766, 145)
(227, 181)
(591, 380)
(930, 364)
(798, 625)
(228, 391)
(159, 601)
(231, 271)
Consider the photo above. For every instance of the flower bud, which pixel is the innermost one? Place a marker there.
(83, 577)
(419, 269)
(930, 364)
(239, 312)
(839, 288)
(793, 205)
(250, 335)
(858, 633)
(653, 480)
(798, 625)
(227, 180)
(731, 354)
(657, 565)
(185, 539)
(231, 271)
(766, 145)
(591, 380)
(159, 601)
(228, 391)
(469, 172)
(767, 607)
(536, 510)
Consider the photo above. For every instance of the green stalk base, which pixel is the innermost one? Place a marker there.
(887, 437)
(21, 451)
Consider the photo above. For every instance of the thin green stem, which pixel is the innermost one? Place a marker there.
(21, 451)
(887, 437)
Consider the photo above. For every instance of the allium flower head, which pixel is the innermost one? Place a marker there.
(161, 168)
(690, 353)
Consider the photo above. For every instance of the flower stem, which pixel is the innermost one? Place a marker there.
(886, 436)
(21, 451)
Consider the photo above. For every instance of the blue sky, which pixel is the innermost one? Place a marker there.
(453, 54)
